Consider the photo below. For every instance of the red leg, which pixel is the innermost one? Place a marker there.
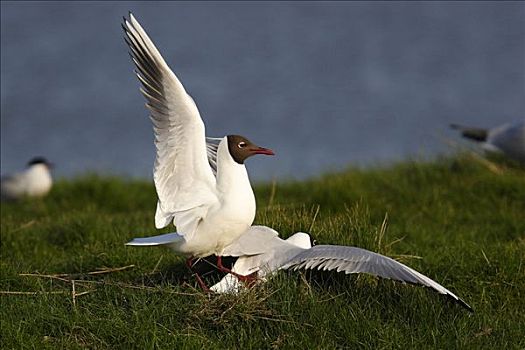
(249, 279)
(189, 263)
(202, 284)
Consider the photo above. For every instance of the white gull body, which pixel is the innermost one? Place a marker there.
(201, 188)
(508, 139)
(297, 253)
(223, 220)
(35, 181)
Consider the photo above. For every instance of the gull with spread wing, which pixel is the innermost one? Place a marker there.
(297, 253)
(202, 183)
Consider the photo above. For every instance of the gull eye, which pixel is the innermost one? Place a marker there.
(242, 144)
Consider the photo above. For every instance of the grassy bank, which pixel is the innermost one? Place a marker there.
(453, 220)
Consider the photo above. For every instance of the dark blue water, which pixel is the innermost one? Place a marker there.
(326, 85)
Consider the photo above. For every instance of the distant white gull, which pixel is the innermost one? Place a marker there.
(508, 139)
(202, 183)
(297, 253)
(34, 181)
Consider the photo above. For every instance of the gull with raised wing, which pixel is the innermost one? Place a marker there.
(202, 183)
(297, 253)
(508, 139)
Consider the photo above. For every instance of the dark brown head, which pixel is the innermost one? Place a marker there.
(241, 148)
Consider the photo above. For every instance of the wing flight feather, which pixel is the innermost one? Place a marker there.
(183, 177)
(357, 260)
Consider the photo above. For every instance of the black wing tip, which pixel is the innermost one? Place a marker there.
(127, 21)
(473, 133)
(300, 266)
(125, 26)
(130, 14)
(465, 305)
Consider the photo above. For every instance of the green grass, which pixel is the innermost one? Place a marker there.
(466, 223)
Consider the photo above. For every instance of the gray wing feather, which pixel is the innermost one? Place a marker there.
(168, 238)
(357, 260)
(212, 145)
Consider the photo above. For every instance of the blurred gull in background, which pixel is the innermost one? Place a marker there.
(508, 139)
(34, 181)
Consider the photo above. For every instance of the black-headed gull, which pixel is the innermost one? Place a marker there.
(202, 183)
(297, 253)
(508, 139)
(34, 181)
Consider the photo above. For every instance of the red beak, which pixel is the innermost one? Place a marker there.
(262, 150)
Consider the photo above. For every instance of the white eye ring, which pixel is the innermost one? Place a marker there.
(242, 144)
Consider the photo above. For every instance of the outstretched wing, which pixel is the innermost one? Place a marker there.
(357, 260)
(183, 178)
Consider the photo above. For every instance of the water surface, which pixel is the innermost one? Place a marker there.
(326, 85)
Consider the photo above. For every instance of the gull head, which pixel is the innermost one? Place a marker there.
(40, 161)
(241, 148)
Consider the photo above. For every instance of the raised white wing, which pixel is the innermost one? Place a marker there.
(183, 177)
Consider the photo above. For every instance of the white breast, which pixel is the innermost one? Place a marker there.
(232, 215)
(38, 180)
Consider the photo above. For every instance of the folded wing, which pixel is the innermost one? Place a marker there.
(256, 240)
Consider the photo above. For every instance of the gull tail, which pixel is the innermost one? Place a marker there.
(168, 238)
(476, 134)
